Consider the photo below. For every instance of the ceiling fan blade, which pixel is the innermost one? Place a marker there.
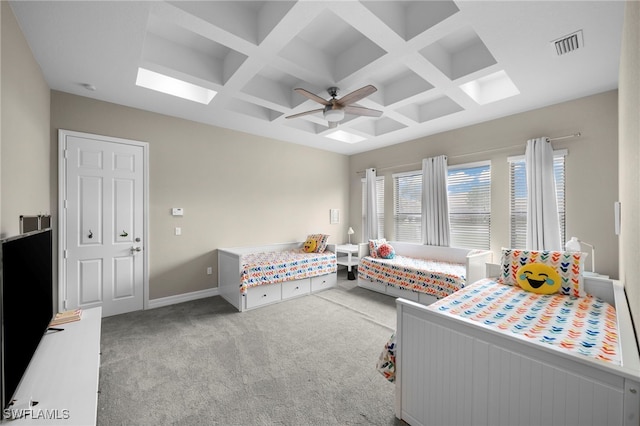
(313, 111)
(358, 110)
(312, 96)
(356, 95)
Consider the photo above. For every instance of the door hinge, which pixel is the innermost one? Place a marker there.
(66, 254)
(66, 153)
(64, 304)
(65, 204)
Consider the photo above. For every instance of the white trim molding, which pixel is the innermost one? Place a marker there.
(184, 297)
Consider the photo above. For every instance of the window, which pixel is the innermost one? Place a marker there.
(469, 191)
(518, 197)
(379, 205)
(407, 206)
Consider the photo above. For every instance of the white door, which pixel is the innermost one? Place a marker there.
(102, 230)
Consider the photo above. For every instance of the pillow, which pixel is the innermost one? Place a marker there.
(310, 245)
(386, 251)
(567, 266)
(373, 246)
(321, 242)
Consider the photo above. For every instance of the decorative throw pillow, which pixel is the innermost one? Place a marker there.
(373, 246)
(567, 266)
(310, 245)
(321, 242)
(386, 251)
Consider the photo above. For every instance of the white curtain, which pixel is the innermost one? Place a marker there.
(543, 225)
(435, 203)
(371, 228)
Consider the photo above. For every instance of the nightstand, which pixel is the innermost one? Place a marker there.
(349, 260)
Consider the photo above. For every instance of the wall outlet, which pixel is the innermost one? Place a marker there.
(178, 231)
(209, 270)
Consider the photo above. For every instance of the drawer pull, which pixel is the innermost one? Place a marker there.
(264, 295)
(297, 288)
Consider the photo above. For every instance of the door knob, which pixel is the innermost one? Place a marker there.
(134, 249)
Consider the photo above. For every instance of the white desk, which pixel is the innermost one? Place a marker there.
(349, 260)
(63, 376)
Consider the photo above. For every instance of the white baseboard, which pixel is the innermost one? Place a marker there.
(185, 297)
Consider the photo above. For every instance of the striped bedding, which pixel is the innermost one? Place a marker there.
(436, 278)
(585, 326)
(580, 325)
(278, 266)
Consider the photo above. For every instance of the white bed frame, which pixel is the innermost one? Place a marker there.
(453, 371)
(229, 268)
(474, 260)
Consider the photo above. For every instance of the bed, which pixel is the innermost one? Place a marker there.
(420, 273)
(251, 277)
(491, 355)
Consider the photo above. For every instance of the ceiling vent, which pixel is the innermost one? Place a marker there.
(568, 44)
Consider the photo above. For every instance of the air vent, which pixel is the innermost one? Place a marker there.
(568, 44)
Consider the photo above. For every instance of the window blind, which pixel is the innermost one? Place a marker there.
(469, 192)
(407, 206)
(518, 197)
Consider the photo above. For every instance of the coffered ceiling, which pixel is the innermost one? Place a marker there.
(437, 65)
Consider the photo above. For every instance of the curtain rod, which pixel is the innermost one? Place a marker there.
(573, 135)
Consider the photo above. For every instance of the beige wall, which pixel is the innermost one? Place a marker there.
(629, 173)
(236, 189)
(591, 168)
(24, 142)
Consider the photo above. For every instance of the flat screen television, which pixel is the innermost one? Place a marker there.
(26, 306)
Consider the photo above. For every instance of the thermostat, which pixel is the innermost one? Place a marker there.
(177, 211)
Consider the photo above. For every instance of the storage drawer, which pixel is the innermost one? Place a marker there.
(263, 294)
(371, 285)
(295, 288)
(400, 292)
(323, 282)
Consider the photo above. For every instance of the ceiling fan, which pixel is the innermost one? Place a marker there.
(334, 109)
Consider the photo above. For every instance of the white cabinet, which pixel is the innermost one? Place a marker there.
(345, 257)
(63, 376)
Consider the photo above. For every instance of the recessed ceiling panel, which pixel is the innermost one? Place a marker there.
(253, 110)
(431, 110)
(250, 20)
(379, 127)
(331, 48)
(410, 18)
(272, 85)
(173, 46)
(397, 84)
(459, 54)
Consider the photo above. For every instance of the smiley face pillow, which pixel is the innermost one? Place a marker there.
(310, 245)
(543, 272)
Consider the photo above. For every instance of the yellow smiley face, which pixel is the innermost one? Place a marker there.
(310, 245)
(538, 278)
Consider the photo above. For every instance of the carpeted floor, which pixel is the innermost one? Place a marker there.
(307, 361)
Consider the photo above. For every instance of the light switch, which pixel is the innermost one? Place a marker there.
(178, 230)
(177, 211)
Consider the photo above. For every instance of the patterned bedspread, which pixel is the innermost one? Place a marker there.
(278, 266)
(436, 278)
(585, 325)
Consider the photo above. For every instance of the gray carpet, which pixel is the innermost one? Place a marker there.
(307, 361)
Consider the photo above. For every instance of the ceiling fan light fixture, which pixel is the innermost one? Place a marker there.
(334, 115)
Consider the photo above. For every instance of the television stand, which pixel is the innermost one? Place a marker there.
(63, 376)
